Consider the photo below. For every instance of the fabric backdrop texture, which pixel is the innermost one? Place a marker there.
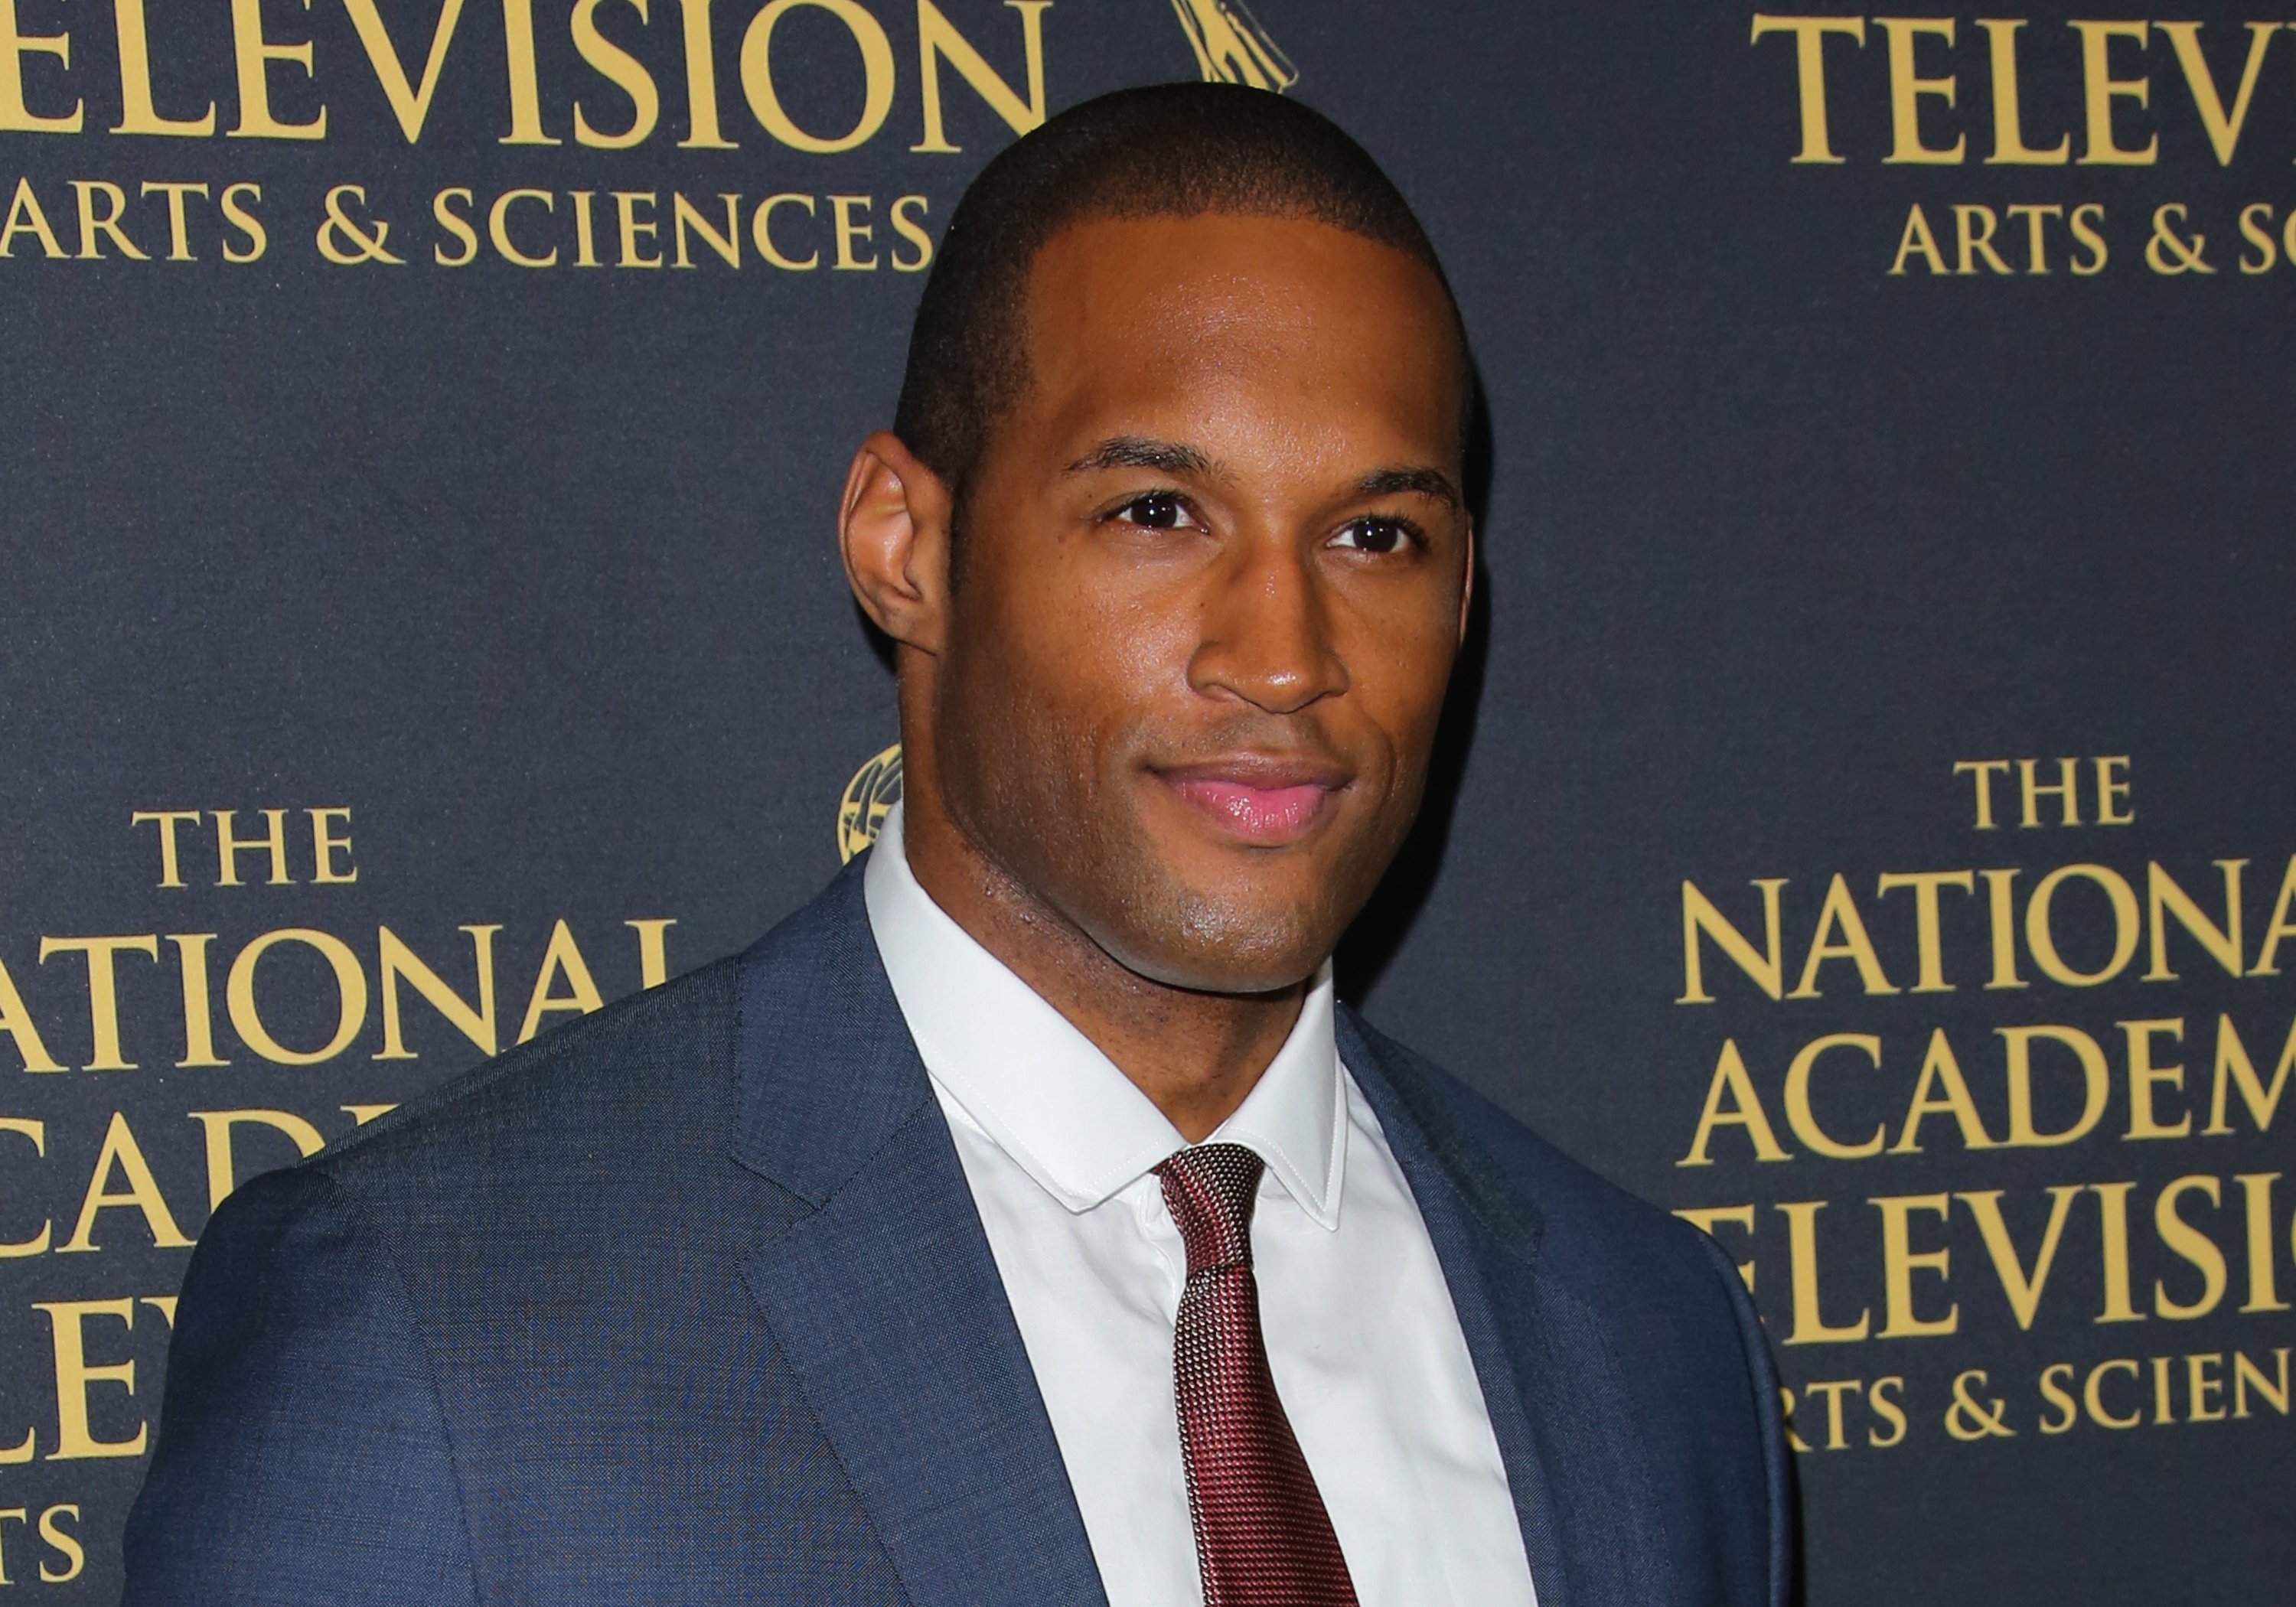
(1864, 823)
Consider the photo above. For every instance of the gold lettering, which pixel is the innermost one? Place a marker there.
(849, 231)
(219, 1124)
(912, 230)
(2222, 942)
(326, 846)
(102, 991)
(2096, 1079)
(228, 848)
(876, 65)
(1929, 942)
(498, 227)
(685, 215)
(409, 104)
(1981, 771)
(626, 208)
(2084, 219)
(563, 958)
(1841, 916)
(1803, 1120)
(2143, 1077)
(2189, 1243)
(2032, 789)
(1745, 1111)
(199, 1013)
(25, 218)
(2008, 126)
(700, 81)
(179, 235)
(1940, 1070)
(2246, 1374)
(1974, 227)
(137, 114)
(350, 995)
(1900, 1261)
(2092, 1395)
(91, 224)
(939, 40)
(761, 234)
(244, 221)
(2263, 1291)
(254, 55)
(1766, 968)
(653, 954)
(1810, 69)
(65, 1544)
(1907, 87)
(2040, 937)
(37, 1244)
(2003, 924)
(620, 69)
(1918, 237)
(74, 1374)
(16, 1021)
(2112, 1220)
(121, 1153)
(2224, 131)
(525, 94)
(2234, 1068)
(400, 962)
(2281, 925)
(2101, 89)
(15, 116)
(1809, 1325)
(2022, 1289)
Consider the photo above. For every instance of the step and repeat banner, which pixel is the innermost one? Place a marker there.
(1867, 825)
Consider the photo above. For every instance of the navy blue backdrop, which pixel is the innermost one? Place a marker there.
(1868, 829)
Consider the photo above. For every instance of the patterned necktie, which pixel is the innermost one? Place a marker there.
(1263, 1539)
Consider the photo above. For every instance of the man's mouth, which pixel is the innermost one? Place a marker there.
(1264, 803)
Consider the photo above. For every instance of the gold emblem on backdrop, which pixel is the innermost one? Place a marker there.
(876, 788)
(1232, 48)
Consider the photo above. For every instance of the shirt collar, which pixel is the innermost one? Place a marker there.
(1047, 1095)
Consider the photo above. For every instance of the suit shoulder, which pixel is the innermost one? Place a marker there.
(1583, 1220)
(646, 1065)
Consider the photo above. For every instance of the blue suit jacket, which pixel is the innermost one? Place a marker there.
(688, 1303)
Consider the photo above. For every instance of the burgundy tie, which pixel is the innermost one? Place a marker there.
(1263, 1539)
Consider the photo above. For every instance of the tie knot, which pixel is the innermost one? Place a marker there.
(1209, 1190)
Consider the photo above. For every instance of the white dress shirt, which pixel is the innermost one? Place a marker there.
(1365, 1349)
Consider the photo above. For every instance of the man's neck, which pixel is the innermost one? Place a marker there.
(1194, 1054)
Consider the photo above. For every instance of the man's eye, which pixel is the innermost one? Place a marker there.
(1156, 511)
(1374, 535)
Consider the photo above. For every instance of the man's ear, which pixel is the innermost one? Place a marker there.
(893, 532)
(1467, 584)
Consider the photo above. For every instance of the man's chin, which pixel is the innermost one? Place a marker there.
(1219, 946)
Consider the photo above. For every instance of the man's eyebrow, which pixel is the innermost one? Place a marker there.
(1138, 451)
(1426, 482)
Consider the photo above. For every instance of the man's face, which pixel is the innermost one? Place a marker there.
(1214, 579)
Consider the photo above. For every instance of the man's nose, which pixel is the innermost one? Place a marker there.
(1266, 634)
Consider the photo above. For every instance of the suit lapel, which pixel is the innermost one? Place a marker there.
(884, 1297)
(1559, 1404)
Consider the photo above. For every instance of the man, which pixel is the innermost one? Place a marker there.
(1022, 1221)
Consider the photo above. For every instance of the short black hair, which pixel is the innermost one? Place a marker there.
(1161, 151)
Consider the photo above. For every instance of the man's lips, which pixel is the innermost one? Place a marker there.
(1267, 805)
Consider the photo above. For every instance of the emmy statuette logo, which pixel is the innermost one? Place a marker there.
(1232, 48)
(876, 788)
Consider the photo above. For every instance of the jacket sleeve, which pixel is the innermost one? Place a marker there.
(1769, 1420)
(302, 1458)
